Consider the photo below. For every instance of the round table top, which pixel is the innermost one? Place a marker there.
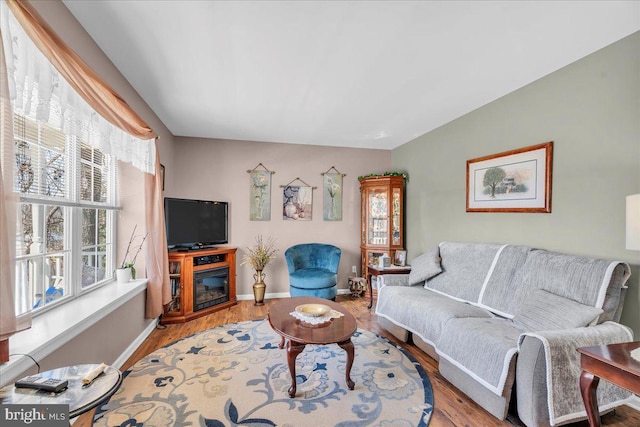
(335, 331)
(79, 399)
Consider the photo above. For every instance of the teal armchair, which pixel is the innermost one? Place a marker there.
(313, 270)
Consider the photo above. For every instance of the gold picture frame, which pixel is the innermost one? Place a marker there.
(512, 181)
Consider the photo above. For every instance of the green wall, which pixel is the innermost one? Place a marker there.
(591, 111)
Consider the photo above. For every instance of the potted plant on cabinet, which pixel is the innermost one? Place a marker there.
(258, 256)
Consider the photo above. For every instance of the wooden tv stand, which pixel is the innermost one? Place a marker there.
(181, 271)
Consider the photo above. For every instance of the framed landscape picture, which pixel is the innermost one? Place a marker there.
(513, 181)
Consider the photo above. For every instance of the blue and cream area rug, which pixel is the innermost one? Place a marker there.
(236, 375)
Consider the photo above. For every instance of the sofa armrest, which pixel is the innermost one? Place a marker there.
(393, 280)
(548, 373)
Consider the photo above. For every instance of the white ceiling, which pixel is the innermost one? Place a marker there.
(369, 74)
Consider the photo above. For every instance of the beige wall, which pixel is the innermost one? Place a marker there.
(591, 110)
(104, 342)
(217, 170)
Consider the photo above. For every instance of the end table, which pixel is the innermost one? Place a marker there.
(612, 363)
(80, 399)
(373, 270)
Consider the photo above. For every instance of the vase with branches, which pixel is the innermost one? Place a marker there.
(258, 256)
(135, 249)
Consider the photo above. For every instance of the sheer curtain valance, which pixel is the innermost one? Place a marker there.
(38, 91)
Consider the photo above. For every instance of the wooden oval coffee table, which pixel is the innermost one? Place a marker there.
(298, 334)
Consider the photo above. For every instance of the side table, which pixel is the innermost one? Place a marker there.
(373, 270)
(612, 363)
(80, 399)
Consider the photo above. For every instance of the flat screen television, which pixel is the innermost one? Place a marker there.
(193, 224)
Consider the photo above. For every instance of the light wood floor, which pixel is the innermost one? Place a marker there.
(452, 407)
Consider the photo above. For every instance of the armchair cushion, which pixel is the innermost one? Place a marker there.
(313, 278)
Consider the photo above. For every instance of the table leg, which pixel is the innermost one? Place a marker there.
(348, 347)
(293, 350)
(281, 345)
(370, 290)
(588, 388)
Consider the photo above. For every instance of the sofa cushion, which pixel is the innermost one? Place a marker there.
(585, 280)
(503, 292)
(422, 311)
(464, 269)
(483, 348)
(545, 311)
(425, 266)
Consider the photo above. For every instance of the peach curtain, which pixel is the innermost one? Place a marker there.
(115, 110)
(157, 262)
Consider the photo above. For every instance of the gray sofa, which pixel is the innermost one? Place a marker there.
(504, 323)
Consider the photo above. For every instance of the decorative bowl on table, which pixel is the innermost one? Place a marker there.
(313, 310)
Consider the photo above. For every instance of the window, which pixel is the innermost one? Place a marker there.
(65, 177)
(65, 230)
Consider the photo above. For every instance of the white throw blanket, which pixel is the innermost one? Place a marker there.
(563, 368)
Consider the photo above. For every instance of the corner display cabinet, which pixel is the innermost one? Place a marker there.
(381, 218)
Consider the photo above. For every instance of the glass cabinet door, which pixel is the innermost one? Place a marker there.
(378, 217)
(396, 218)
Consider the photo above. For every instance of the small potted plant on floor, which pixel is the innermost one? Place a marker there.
(258, 256)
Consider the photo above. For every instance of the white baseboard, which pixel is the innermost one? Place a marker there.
(126, 354)
(266, 296)
(245, 297)
(634, 402)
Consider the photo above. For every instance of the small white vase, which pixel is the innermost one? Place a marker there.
(290, 210)
(123, 275)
